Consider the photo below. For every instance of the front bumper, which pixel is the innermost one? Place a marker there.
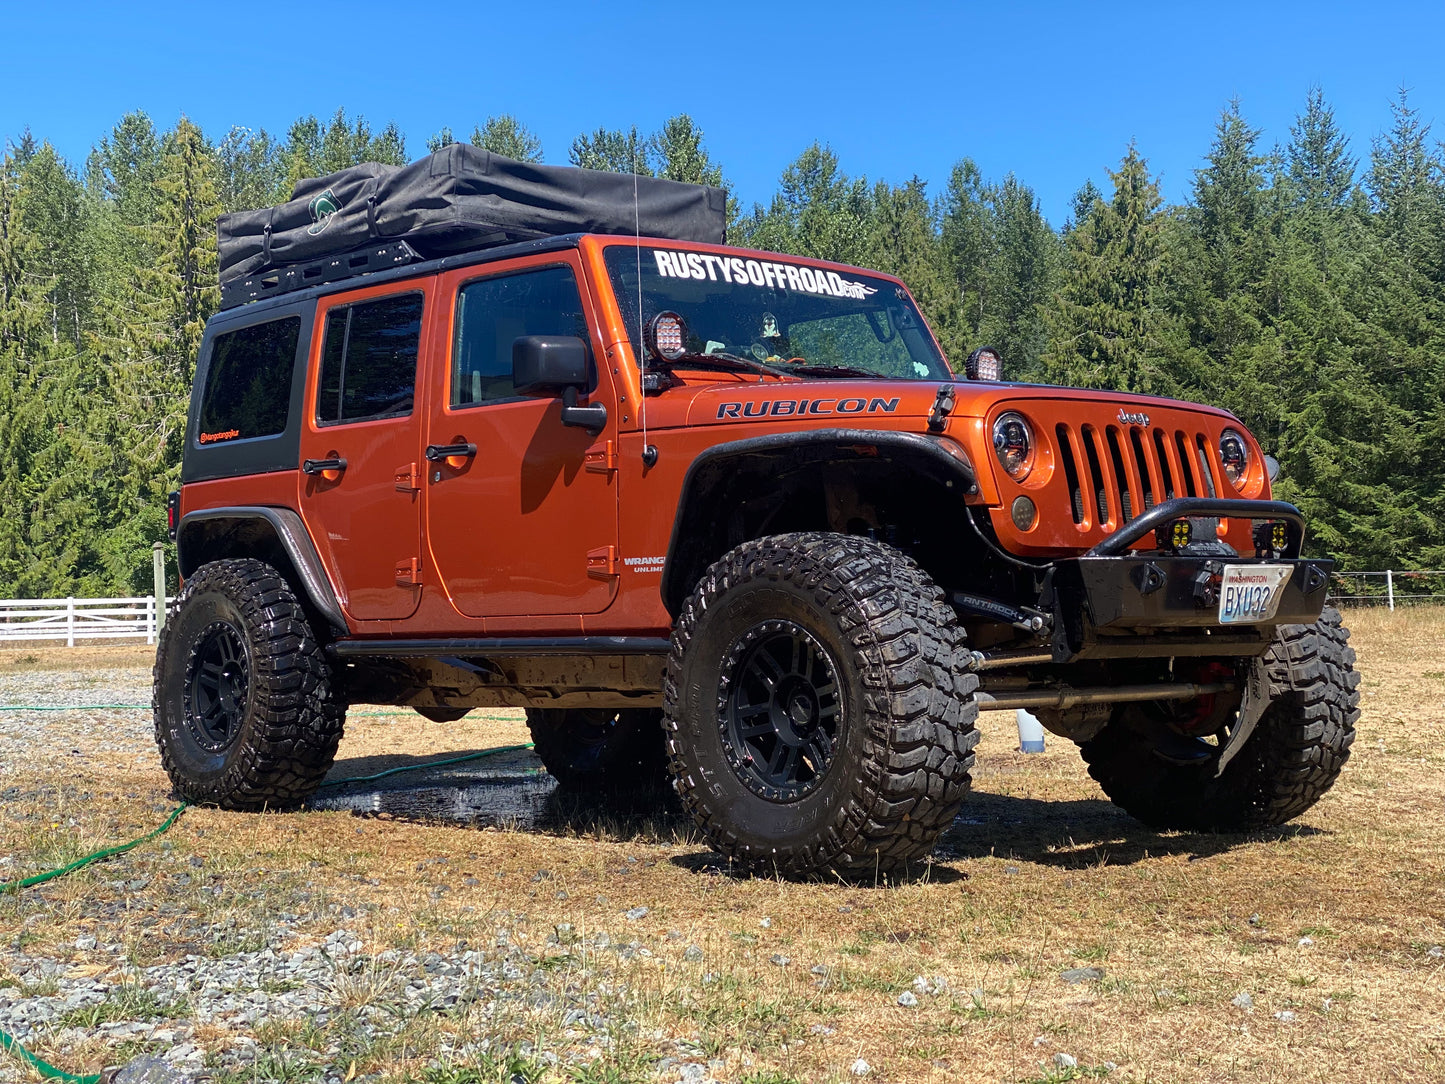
(1116, 603)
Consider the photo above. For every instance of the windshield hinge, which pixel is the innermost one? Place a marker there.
(601, 460)
(602, 562)
(942, 408)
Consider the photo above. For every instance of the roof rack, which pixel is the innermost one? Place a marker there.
(285, 280)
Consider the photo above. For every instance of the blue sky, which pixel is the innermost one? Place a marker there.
(1050, 91)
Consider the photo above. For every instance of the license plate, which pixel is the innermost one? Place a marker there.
(1250, 593)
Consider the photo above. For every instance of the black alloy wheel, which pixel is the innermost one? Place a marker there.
(248, 713)
(778, 709)
(819, 719)
(218, 681)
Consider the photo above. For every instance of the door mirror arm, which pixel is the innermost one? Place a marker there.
(592, 417)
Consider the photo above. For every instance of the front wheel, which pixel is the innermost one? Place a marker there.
(816, 711)
(1293, 757)
(246, 714)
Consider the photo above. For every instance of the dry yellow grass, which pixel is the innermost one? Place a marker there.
(1039, 875)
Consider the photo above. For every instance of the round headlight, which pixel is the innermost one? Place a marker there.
(1013, 443)
(1234, 454)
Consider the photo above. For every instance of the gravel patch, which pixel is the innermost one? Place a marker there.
(30, 739)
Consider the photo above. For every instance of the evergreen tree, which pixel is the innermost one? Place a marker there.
(903, 240)
(1107, 326)
(152, 354)
(614, 151)
(509, 137)
(1022, 274)
(819, 211)
(251, 171)
(1082, 204)
(968, 242)
(1320, 166)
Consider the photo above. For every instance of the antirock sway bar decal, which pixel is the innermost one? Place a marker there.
(782, 408)
(741, 272)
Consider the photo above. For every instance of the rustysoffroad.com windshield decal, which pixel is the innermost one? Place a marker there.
(741, 272)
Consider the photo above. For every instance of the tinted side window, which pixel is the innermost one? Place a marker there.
(248, 385)
(493, 312)
(368, 360)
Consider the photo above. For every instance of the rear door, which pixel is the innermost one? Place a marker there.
(359, 482)
(527, 526)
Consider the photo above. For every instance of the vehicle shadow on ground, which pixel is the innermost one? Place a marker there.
(509, 790)
(1078, 834)
(505, 790)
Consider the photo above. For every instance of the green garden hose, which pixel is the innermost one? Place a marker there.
(8, 1042)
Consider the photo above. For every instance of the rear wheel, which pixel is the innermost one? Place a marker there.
(246, 714)
(1288, 763)
(817, 715)
(597, 748)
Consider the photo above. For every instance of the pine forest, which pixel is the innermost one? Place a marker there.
(1301, 285)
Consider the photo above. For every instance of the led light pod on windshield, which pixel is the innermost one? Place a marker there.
(1013, 443)
(667, 336)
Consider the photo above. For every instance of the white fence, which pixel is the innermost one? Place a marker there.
(1390, 588)
(72, 619)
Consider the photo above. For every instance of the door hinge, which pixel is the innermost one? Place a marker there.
(601, 460)
(602, 562)
(406, 479)
(408, 573)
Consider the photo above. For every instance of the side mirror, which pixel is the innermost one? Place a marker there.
(548, 363)
(557, 362)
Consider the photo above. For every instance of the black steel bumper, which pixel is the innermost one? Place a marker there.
(1115, 603)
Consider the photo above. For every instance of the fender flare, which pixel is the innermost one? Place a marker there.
(291, 533)
(941, 459)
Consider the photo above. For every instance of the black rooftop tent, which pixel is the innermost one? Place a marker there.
(459, 199)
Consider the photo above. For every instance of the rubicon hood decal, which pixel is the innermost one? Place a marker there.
(782, 408)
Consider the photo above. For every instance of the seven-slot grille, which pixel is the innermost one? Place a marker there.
(1117, 472)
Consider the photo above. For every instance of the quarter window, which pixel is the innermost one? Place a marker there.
(368, 360)
(492, 313)
(248, 384)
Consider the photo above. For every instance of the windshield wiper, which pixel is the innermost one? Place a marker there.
(731, 363)
(836, 370)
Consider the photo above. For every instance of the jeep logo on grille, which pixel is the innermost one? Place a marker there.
(1139, 418)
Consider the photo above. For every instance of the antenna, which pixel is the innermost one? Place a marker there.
(649, 453)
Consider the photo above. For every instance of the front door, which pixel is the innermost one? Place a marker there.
(527, 525)
(360, 482)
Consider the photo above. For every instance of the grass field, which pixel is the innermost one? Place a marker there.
(1332, 925)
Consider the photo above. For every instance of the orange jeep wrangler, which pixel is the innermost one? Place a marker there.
(719, 516)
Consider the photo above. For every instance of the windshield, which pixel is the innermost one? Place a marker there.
(780, 313)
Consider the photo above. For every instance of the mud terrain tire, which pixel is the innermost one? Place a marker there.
(1293, 757)
(600, 748)
(795, 634)
(246, 713)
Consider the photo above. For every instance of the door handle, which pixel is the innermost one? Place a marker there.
(321, 466)
(435, 452)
